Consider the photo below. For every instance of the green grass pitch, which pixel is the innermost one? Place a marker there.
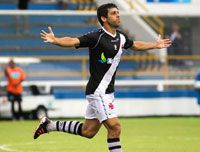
(162, 134)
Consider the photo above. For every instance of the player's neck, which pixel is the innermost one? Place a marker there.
(110, 29)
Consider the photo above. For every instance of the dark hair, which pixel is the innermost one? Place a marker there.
(103, 11)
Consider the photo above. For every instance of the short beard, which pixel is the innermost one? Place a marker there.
(111, 24)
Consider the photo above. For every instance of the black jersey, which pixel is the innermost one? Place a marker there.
(105, 51)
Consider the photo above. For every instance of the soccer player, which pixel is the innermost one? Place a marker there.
(105, 49)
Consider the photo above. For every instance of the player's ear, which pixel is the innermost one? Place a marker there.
(103, 19)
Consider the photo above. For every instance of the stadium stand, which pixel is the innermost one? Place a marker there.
(30, 44)
(53, 5)
(142, 66)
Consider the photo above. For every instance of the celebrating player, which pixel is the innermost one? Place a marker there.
(105, 49)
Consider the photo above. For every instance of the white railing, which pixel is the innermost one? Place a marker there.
(46, 12)
(192, 13)
(159, 84)
(70, 107)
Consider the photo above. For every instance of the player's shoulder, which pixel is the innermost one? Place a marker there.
(121, 32)
(95, 32)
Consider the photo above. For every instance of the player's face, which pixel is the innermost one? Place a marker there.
(113, 18)
(11, 64)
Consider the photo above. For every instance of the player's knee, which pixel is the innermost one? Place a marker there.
(115, 130)
(88, 134)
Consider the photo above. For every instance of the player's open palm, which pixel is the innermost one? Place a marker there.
(163, 43)
(48, 37)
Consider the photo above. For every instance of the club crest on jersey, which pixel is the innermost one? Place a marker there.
(115, 47)
(111, 106)
(104, 60)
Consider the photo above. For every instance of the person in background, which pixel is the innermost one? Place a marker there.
(63, 4)
(177, 45)
(22, 5)
(15, 76)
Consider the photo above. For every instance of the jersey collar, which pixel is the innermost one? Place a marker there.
(109, 32)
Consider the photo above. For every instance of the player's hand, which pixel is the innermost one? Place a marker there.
(48, 37)
(162, 43)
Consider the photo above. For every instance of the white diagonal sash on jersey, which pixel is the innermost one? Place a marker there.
(101, 89)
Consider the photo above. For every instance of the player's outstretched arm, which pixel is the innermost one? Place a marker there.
(49, 37)
(159, 44)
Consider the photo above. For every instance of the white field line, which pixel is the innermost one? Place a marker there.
(6, 148)
(34, 142)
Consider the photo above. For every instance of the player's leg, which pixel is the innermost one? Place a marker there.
(113, 137)
(107, 115)
(14, 115)
(90, 128)
(87, 129)
(46, 125)
(11, 99)
(19, 102)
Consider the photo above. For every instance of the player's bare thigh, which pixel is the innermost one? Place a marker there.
(90, 127)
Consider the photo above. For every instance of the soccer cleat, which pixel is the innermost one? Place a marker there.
(42, 127)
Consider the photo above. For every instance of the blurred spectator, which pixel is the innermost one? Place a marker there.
(15, 76)
(63, 4)
(22, 5)
(177, 44)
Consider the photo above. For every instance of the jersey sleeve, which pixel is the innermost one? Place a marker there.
(129, 42)
(88, 40)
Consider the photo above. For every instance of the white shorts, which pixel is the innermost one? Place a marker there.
(100, 107)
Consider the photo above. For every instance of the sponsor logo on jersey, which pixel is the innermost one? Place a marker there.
(115, 40)
(105, 60)
(109, 61)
